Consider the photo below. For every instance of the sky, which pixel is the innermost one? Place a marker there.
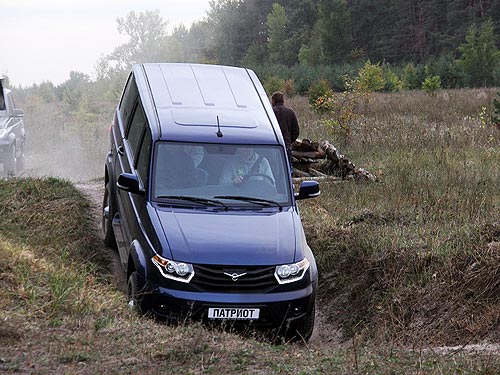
(43, 40)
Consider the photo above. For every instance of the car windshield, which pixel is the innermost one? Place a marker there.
(236, 175)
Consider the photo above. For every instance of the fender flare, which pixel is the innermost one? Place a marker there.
(137, 260)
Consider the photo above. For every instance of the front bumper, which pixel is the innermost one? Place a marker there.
(276, 309)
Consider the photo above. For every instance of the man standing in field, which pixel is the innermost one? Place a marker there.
(287, 120)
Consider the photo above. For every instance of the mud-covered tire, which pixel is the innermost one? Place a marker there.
(10, 162)
(108, 212)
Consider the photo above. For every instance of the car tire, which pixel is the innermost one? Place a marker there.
(108, 212)
(302, 329)
(21, 161)
(10, 162)
(133, 288)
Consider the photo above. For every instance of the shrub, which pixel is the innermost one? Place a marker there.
(479, 55)
(274, 83)
(495, 117)
(320, 89)
(337, 128)
(341, 107)
(410, 78)
(446, 68)
(370, 78)
(392, 81)
(289, 88)
(431, 84)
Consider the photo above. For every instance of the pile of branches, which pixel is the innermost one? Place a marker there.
(322, 159)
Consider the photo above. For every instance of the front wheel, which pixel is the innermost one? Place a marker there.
(133, 293)
(21, 161)
(302, 329)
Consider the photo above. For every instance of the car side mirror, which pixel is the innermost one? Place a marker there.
(130, 183)
(16, 112)
(308, 189)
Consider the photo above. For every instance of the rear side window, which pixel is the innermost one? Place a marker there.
(129, 99)
(135, 129)
(143, 159)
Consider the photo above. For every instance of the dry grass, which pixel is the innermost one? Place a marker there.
(407, 263)
(412, 259)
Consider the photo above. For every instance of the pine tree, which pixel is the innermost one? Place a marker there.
(479, 55)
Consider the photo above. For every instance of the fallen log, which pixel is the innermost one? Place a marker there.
(308, 154)
(305, 145)
(313, 159)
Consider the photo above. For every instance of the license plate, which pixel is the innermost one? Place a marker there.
(233, 313)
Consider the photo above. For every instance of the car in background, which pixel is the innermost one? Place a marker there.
(12, 134)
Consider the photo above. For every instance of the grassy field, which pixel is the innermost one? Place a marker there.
(415, 258)
(408, 264)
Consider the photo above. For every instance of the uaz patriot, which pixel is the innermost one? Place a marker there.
(199, 201)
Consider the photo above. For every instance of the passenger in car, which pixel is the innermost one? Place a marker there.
(180, 170)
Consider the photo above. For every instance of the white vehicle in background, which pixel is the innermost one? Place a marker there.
(12, 134)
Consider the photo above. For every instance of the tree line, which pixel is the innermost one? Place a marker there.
(308, 40)
(334, 51)
(446, 43)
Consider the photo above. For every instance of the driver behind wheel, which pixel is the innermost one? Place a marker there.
(246, 164)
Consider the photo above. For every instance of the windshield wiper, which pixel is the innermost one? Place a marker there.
(202, 201)
(260, 201)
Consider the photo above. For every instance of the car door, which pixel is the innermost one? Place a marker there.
(127, 157)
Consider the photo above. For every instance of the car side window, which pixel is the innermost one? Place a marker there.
(143, 158)
(129, 98)
(136, 128)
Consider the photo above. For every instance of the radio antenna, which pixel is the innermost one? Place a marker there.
(219, 133)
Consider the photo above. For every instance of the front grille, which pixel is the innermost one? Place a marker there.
(256, 279)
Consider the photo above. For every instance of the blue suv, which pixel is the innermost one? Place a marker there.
(200, 204)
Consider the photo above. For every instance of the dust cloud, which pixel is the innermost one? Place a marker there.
(64, 145)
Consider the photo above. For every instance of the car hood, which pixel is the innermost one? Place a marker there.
(230, 238)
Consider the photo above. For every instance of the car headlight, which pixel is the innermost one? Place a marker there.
(178, 271)
(288, 273)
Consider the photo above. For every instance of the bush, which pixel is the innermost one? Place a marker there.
(413, 76)
(370, 78)
(431, 84)
(289, 88)
(320, 89)
(392, 81)
(273, 83)
(446, 68)
(495, 117)
(479, 55)
(341, 108)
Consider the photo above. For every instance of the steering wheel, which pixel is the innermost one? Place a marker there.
(250, 175)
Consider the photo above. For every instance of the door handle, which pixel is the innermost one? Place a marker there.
(121, 150)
